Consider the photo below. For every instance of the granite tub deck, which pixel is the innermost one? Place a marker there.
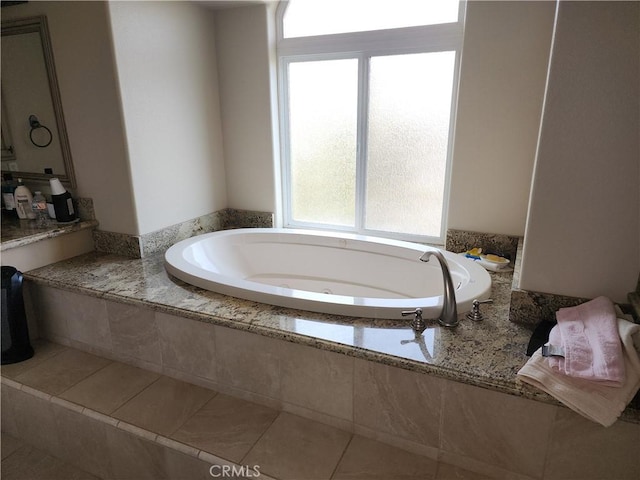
(372, 378)
(486, 354)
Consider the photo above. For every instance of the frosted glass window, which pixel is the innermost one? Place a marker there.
(324, 17)
(366, 114)
(409, 110)
(323, 99)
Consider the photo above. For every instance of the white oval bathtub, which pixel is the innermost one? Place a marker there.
(340, 274)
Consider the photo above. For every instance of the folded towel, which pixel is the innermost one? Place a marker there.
(589, 337)
(595, 401)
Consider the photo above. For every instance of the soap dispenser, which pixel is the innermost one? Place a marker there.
(24, 199)
(62, 202)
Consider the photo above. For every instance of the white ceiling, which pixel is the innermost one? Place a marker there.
(222, 4)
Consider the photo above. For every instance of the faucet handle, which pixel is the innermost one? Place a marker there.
(417, 323)
(475, 314)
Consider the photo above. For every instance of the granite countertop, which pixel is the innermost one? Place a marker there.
(486, 354)
(18, 233)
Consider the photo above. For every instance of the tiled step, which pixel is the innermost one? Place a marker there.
(118, 421)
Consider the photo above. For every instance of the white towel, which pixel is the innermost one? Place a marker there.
(597, 402)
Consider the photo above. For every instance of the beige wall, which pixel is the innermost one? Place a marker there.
(81, 42)
(171, 153)
(167, 77)
(584, 219)
(143, 123)
(48, 251)
(584, 197)
(245, 55)
(503, 73)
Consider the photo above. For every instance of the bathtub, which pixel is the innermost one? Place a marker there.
(339, 274)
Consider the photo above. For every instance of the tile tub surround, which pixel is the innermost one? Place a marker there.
(374, 378)
(139, 246)
(195, 427)
(487, 353)
(186, 430)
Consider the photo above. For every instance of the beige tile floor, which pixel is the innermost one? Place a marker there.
(21, 461)
(285, 446)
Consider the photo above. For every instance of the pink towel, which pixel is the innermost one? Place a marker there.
(597, 402)
(589, 336)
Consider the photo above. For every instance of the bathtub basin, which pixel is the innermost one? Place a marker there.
(339, 274)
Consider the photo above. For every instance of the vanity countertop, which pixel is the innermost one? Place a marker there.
(18, 233)
(487, 354)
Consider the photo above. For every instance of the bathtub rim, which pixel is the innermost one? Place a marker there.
(342, 305)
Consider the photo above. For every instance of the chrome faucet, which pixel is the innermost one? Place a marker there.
(449, 315)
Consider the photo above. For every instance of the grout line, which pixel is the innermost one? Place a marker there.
(177, 446)
(137, 431)
(212, 459)
(344, 452)
(550, 435)
(9, 382)
(101, 417)
(444, 392)
(89, 375)
(137, 394)
(24, 444)
(67, 404)
(261, 435)
(36, 393)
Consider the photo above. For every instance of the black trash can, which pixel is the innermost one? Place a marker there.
(15, 332)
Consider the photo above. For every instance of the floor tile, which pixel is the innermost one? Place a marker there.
(10, 444)
(227, 427)
(164, 406)
(369, 459)
(110, 388)
(296, 448)
(62, 371)
(42, 351)
(29, 463)
(451, 472)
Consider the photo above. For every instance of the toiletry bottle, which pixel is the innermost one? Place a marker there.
(9, 201)
(39, 206)
(24, 199)
(62, 202)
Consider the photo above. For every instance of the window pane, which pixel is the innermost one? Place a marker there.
(323, 17)
(409, 110)
(323, 100)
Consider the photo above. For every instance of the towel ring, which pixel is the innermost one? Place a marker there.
(35, 125)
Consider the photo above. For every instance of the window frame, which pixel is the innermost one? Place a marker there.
(362, 46)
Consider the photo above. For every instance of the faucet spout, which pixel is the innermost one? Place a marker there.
(449, 315)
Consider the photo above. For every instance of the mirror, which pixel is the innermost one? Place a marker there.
(34, 137)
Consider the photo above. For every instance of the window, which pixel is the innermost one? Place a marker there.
(367, 95)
